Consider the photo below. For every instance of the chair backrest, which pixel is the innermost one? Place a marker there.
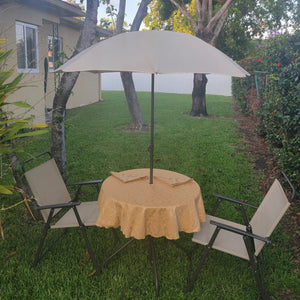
(269, 213)
(47, 185)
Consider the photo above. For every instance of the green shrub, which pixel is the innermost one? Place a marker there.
(11, 127)
(279, 113)
(240, 90)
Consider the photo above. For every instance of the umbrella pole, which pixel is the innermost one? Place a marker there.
(151, 147)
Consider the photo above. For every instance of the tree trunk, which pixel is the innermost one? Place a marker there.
(207, 27)
(18, 175)
(137, 120)
(58, 147)
(21, 185)
(68, 80)
(198, 95)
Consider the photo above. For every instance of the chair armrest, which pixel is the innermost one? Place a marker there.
(239, 231)
(235, 201)
(62, 205)
(241, 207)
(82, 183)
(85, 182)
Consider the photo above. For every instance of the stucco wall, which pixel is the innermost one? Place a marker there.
(86, 88)
(169, 83)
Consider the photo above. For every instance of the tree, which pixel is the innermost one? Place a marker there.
(252, 20)
(136, 116)
(205, 19)
(137, 120)
(234, 21)
(67, 82)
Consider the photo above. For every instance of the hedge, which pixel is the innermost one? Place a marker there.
(279, 112)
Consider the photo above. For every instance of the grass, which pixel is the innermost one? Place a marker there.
(98, 142)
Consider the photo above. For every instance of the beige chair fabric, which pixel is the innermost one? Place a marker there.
(226, 241)
(269, 213)
(49, 188)
(267, 216)
(88, 212)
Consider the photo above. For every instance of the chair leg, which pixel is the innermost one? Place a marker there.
(38, 255)
(39, 250)
(262, 285)
(90, 250)
(87, 242)
(256, 266)
(191, 280)
(258, 277)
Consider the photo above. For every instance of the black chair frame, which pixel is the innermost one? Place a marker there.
(248, 238)
(70, 205)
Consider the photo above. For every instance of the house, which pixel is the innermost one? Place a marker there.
(39, 32)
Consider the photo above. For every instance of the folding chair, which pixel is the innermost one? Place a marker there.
(51, 198)
(244, 241)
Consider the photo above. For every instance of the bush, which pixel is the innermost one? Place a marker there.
(11, 127)
(279, 113)
(241, 86)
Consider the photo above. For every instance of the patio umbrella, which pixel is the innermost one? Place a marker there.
(154, 52)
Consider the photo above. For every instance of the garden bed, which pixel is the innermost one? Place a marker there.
(257, 147)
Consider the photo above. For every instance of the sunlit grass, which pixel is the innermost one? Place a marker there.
(97, 142)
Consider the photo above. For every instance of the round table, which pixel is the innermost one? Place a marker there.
(173, 203)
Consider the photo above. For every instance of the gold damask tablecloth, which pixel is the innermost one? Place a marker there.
(173, 203)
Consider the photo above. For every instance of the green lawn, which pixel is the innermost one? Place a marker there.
(97, 142)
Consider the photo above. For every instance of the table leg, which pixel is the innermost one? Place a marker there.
(116, 252)
(152, 254)
(188, 253)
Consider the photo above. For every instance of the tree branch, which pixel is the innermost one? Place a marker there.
(140, 15)
(219, 27)
(210, 6)
(201, 10)
(186, 13)
(223, 10)
(121, 16)
(89, 27)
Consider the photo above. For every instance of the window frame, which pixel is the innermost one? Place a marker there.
(35, 28)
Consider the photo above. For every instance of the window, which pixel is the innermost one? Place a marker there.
(27, 48)
(54, 46)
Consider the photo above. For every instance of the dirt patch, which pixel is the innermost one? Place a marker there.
(257, 149)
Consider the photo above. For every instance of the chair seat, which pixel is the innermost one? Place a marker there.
(88, 212)
(226, 241)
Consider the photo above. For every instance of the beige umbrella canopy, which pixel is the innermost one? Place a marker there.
(155, 52)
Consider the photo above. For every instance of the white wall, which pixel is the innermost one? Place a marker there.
(169, 83)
